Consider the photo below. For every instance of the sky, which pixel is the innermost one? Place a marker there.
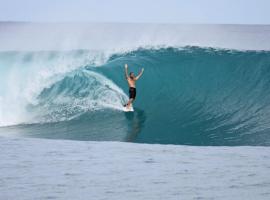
(138, 11)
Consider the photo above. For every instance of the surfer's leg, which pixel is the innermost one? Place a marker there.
(132, 95)
(129, 102)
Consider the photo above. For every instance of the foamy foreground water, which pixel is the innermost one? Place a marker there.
(58, 169)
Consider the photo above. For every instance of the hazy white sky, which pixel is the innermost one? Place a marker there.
(157, 11)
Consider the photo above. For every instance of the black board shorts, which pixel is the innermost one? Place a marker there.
(132, 93)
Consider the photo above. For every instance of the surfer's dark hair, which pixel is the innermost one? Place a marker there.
(130, 75)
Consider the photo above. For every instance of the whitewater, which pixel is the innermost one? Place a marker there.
(202, 107)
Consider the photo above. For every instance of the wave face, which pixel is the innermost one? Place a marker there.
(190, 95)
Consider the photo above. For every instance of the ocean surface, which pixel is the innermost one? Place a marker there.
(202, 107)
(64, 169)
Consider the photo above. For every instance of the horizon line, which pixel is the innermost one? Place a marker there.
(118, 22)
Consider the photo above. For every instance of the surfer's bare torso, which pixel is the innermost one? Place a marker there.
(131, 82)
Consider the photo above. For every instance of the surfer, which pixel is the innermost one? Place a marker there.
(131, 79)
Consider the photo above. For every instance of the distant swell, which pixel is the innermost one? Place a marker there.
(190, 95)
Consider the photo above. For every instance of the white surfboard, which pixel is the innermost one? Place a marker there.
(130, 109)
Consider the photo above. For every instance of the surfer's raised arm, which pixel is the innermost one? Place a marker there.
(140, 74)
(126, 71)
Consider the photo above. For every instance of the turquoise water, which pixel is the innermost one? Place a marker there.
(190, 95)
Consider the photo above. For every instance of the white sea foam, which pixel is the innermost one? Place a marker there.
(121, 36)
(28, 74)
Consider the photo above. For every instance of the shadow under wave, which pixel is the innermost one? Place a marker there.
(104, 125)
